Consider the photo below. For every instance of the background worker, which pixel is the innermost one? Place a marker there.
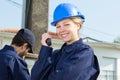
(12, 64)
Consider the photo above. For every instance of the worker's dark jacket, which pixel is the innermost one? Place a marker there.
(72, 62)
(12, 67)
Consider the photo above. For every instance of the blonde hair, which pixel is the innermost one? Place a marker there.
(77, 20)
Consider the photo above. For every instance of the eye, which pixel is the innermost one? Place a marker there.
(67, 24)
(57, 26)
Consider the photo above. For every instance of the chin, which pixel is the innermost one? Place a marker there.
(66, 40)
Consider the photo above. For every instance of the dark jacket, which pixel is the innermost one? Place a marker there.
(12, 67)
(72, 62)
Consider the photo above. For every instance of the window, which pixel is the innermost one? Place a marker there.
(108, 75)
(108, 71)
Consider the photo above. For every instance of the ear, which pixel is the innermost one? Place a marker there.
(78, 26)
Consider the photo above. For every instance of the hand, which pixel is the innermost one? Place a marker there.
(45, 36)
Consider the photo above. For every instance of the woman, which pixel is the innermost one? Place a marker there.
(75, 60)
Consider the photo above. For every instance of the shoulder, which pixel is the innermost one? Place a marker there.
(83, 46)
(84, 49)
(10, 56)
(7, 54)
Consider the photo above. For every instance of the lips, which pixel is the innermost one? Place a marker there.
(64, 34)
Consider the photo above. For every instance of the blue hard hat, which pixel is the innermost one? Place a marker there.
(65, 10)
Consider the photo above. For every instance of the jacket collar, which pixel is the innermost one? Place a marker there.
(8, 47)
(72, 46)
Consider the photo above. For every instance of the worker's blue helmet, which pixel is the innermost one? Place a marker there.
(65, 10)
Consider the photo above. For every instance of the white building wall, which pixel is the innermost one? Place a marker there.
(110, 53)
(118, 68)
(5, 38)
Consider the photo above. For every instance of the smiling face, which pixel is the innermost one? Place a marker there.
(67, 30)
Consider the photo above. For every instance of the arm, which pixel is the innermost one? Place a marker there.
(42, 65)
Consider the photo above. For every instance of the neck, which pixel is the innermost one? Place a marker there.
(16, 48)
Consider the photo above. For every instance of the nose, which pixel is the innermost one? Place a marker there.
(61, 29)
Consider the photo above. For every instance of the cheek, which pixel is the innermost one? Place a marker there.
(74, 31)
(27, 50)
(76, 28)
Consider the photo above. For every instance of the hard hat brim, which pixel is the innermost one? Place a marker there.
(56, 21)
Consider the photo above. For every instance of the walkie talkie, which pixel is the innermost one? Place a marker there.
(48, 41)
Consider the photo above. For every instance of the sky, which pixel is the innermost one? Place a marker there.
(102, 17)
(10, 14)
